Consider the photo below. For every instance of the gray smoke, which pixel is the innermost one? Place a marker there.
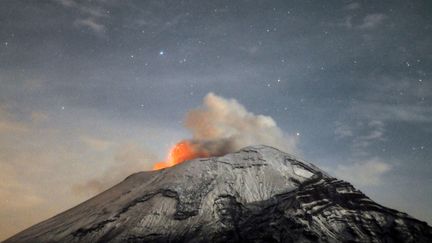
(222, 126)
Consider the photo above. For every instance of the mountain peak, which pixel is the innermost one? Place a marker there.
(256, 194)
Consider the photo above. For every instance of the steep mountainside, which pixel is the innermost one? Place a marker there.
(258, 194)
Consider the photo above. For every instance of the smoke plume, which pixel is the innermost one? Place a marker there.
(222, 126)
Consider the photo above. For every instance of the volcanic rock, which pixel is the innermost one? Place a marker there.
(258, 194)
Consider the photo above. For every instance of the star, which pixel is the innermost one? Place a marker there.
(161, 53)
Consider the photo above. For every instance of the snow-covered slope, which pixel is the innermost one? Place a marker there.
(256, 194)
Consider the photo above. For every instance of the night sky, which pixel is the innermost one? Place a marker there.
(92, 91)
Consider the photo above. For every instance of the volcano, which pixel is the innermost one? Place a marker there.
(258, 194)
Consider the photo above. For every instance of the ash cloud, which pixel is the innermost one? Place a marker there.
(222, 126)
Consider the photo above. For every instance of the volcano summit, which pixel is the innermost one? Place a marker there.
(258, 194)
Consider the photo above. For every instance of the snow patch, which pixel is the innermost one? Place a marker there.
(300, 171)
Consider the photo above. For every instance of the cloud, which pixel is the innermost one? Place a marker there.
(396, 100)
(368, 22)
(90, 23)
(371, 21)
(13, 124)
(352, 6)
(67, 3)
(363, 173)
(91, 16)
(224, 125)
(85, 7)
(15, 195)
(96, 143)
(375, 133)
(40, 162)
(395, 112)
(9, 124)
(38, 117)
(362, 134)
(399, 88)
(12, 127)
(18, 201)
(343, 130)
(128, 159)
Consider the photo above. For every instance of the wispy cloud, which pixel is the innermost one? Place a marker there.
(90, 23)
(374, 133)
(67, 3)
(397, 100)
(361, 135)
(352, 6)
(90, 15)
(363, 173)
(371, 21)
(343, 130)
(395, 112)
(368, 22)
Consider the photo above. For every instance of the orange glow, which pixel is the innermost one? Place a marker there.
(182, 151)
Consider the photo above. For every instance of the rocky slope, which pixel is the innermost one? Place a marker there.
(258, 194)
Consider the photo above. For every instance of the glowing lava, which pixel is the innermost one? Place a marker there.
(180, 152)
